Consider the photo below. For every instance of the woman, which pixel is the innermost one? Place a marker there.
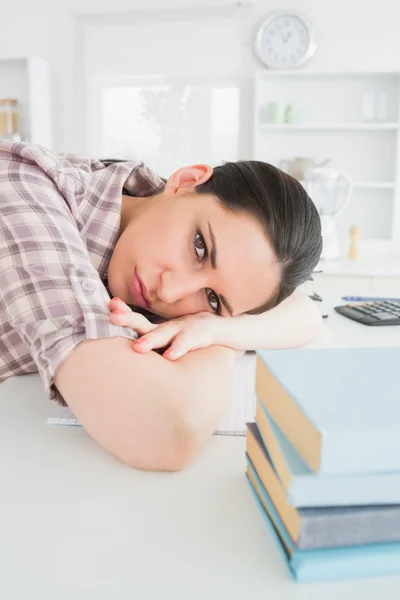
(230, 242)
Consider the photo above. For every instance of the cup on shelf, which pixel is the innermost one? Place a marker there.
(290, 114)
(277, 112)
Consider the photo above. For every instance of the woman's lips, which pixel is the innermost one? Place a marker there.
(138, 291)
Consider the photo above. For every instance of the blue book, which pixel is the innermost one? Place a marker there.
(340, 408)
(352, 562)
(322, 526)
(304, 488)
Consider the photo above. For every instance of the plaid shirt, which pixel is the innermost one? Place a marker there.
(59, 223)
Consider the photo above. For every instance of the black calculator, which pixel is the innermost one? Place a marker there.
(380, 312)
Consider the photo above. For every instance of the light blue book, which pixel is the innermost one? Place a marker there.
(340, 408)
(330, 564)
(304, 488)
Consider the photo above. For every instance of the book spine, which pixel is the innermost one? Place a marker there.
(306, 491)
(307, 569)
(352, 527)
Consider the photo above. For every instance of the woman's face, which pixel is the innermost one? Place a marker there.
(181, 253)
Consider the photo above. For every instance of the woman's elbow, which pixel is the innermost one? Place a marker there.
(173, 451)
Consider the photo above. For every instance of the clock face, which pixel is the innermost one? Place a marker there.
(285, 41)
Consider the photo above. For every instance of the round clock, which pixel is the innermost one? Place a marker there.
(285, 40)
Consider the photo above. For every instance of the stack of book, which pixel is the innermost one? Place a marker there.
(323, 459)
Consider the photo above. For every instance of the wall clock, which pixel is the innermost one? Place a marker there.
(285, 40)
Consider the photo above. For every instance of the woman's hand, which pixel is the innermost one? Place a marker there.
(182, 335)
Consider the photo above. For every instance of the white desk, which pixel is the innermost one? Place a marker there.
(77, 523)
(342, 332)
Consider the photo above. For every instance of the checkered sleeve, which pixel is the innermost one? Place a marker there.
(52, 294)
(54, 308)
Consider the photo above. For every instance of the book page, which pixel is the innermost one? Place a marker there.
(242, 404)
(241, 407)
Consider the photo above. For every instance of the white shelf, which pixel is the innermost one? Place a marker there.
(370, 266)
(379, 185)
(368, 185)
(27, 79)
(328, 111)
(329, 126)
(304, 73)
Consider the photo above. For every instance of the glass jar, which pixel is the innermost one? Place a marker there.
(8, 117)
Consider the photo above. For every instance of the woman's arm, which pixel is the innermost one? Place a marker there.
(149, 412)
(293, 323)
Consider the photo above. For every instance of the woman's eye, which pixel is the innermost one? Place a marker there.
(200, 246)
(213, 300)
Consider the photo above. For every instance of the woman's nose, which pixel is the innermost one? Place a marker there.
(174, 286)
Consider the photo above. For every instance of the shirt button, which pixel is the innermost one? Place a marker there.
(88, 286)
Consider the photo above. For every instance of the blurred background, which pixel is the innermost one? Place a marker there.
(173, 82)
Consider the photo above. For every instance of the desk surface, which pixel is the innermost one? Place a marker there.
(77, 523)
(342, 332)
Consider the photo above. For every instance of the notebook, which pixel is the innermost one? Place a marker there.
(338, 407)
(241, 409)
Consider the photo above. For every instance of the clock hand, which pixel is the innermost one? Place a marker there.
(287, 37)
(281, 33)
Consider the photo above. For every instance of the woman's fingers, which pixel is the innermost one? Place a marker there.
(132, 320)
(118, 304)
(178, 348)
(185, 342)
(122, 315)
(157, 338)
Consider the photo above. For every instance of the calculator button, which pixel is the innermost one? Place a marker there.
(383, 316)
(363, 311)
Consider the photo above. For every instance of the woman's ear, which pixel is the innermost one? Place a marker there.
(186, 178)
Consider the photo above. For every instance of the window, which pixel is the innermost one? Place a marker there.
(170, 124)
(164, 89)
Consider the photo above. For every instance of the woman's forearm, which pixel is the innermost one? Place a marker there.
(293, 323)
(149, 412)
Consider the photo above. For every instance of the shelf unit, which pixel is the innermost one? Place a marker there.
(27, 79)
(328, 124)
(384, 185)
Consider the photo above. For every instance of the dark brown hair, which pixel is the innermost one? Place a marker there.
(282, 206)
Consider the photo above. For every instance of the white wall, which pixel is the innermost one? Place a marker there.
(351, 35)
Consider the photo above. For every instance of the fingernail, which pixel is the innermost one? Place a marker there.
(174, 353)
(117, 312)
(117, 299)
(143, 345)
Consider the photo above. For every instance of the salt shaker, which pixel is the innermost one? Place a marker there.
(354, 243)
